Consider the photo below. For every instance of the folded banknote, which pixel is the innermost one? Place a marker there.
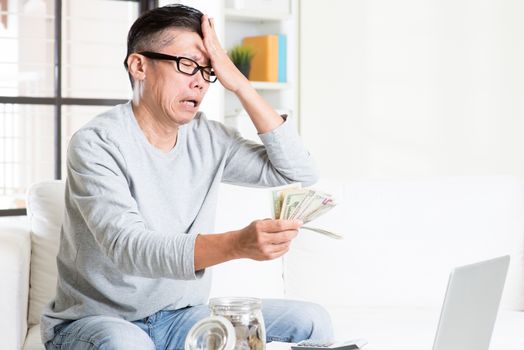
(306, 204)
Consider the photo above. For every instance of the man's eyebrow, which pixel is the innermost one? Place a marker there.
(201, 59)
(197, 58)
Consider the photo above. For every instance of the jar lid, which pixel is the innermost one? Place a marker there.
(235, 304)
(211, 333)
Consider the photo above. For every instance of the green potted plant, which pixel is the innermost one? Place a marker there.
(241, 57)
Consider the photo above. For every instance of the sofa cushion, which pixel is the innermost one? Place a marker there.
(45, 209)
(33, 342)
(402, 238)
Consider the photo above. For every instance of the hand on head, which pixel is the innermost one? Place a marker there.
(228, 74)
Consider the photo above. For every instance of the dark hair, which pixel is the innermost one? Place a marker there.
(146, 33)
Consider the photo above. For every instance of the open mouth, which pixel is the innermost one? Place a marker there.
(190, 103)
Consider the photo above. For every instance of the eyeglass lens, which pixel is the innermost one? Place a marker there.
(187, 66)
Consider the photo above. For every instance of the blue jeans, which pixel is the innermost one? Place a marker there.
(285, 321)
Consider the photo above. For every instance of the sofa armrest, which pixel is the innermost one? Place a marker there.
(15, 254)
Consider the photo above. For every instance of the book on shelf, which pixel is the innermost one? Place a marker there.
(264, 66)
(282, 58)
(270, 57)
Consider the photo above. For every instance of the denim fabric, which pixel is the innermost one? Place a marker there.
(285, 320)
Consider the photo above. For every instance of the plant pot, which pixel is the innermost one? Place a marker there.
(244, 69)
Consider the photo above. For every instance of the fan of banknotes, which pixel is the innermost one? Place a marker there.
(294, 202)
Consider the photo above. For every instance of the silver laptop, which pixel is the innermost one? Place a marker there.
(470, 306)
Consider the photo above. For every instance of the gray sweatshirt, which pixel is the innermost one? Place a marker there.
(133, 212)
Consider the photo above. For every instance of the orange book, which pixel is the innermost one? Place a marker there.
(264, 66)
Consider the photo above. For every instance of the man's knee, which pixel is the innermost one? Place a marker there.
(293, 321)
(313, 321)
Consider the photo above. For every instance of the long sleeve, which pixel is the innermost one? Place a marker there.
(280, 159)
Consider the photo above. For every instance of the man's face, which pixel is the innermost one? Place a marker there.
(169, 94)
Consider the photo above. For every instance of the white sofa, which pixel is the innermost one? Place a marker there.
(385, 281)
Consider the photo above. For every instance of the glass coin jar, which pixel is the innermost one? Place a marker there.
(245, 314)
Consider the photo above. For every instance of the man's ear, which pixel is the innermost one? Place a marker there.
(137, 66)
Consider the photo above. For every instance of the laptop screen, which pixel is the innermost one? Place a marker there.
(470, 306)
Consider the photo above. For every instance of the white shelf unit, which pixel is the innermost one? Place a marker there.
(265, 85)
(283, 96)
(249, 15)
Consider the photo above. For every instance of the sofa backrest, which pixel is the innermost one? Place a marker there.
(402, 238)
(45, 210)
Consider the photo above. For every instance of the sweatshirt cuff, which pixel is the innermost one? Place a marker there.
(187, 242)
(284, 134)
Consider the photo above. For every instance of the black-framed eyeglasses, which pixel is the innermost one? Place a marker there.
(184, 65)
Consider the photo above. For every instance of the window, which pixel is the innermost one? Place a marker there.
(60, 65)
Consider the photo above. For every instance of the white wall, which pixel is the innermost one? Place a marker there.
(413, 87)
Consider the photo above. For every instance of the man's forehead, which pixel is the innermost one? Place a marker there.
(185, 42)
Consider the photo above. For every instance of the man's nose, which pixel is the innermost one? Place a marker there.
(198, 81)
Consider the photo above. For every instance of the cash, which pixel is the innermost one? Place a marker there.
(294, 202)
(330, 234)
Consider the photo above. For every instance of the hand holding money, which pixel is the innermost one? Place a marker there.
(295, 202)
(265, 239)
